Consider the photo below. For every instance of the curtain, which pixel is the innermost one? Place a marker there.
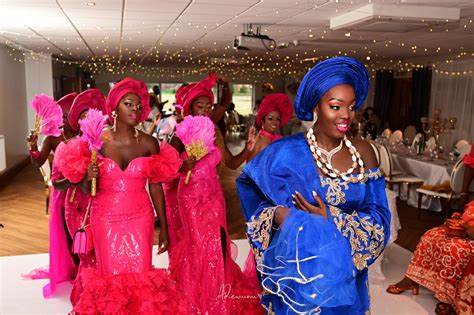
(383, 89)
(453, 93)
(420, 96)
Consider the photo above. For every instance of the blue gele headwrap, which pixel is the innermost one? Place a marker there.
(324, 76)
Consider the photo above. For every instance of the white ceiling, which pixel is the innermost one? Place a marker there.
(146, 34)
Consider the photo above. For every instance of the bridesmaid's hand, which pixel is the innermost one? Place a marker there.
(220, 79)
(32, 138)
(92, 172)
(251, 138)
(301, 203)
(156, 119)
(188, 164)
(163, 241)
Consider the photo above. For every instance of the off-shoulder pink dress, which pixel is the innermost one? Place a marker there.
(122, 223)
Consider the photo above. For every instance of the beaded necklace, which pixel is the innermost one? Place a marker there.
(324, 163)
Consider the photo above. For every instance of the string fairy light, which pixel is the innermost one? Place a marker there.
(196, 56)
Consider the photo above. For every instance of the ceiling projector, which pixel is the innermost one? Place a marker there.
(254, 42)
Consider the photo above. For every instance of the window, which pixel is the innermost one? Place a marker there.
(168, 91)
(242, 98)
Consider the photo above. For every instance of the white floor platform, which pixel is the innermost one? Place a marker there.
(19, 296)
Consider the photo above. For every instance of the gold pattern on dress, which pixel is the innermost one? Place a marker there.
(335, 195)
(363, 235)
(260, 229)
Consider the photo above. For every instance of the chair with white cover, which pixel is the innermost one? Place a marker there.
(460, 143)
(446, 192)
(410, 133)
(463, 150)
(418, 137)
(397, 135)
(431, 144)
(45, 171)
(395, 178)
(386, 133)
(376, 151)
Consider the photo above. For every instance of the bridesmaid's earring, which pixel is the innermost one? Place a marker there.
(136, 133)
(114, 126)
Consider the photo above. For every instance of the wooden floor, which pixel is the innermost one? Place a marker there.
(25, 231)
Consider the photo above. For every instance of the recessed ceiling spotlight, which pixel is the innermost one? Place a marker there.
(367, 58)
(90, 3)
(348, 34)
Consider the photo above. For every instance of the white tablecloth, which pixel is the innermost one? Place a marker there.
(375, 270)
(431, 172)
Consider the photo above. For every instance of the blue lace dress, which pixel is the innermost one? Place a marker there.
(308, 264)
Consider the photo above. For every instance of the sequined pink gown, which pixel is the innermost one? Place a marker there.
(211, 280)
(122, 222)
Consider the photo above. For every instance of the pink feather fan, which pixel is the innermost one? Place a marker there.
(198, 136)
(91, 127)
(49, 116)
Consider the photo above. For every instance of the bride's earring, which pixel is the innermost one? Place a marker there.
(114, 117)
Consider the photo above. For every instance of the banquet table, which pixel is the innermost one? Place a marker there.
(431, 171)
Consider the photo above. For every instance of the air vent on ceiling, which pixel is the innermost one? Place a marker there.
(393, 18)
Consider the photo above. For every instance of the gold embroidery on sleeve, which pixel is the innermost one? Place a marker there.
(359, 230)
(260, 229)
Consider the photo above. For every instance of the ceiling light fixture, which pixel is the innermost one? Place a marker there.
(348, 34)
(90, 3)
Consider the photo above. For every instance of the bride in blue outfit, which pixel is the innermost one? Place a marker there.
(315, 204)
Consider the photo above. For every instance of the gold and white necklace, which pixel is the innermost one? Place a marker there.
(324, 163)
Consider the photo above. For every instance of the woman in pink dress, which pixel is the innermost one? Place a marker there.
(443, 260)
(121, 214)
(275, 111)
(70, 166)
(61, 263)
(200, 254)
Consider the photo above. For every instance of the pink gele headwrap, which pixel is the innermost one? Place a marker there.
(279, 102)
(91, 98)
(124, 87)
(185, 95)
(66, 101)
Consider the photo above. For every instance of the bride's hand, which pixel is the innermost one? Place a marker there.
(301, 203)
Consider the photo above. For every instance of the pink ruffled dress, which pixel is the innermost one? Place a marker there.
(74, 161)
(61, 264)
(210, 279)
(122, 222)
(76, 205)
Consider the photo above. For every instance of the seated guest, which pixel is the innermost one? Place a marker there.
(443, 260)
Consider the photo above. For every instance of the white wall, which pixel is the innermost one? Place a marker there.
(13, 109)
(19, 82)
(39, 79)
